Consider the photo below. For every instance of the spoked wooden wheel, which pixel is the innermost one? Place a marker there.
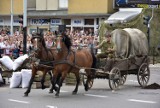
(114, 78)
(123, 79)
(90, 82)
(143, 75)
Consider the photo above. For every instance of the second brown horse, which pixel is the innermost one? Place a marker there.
(71, 61)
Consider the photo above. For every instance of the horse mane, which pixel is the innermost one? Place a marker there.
(43, 43)
(67, 41)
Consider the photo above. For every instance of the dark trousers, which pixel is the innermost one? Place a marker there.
(1, 52)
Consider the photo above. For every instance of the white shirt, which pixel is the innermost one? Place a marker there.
(7, 49)
(2, 45)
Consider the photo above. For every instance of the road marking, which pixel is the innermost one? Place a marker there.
(143, 101)
(25, 102)
(63, 91)
(49, 106)
(133, 81)
(96, 95)
(155, 74)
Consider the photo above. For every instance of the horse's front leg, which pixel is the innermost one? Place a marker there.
(31, 81)
(60, 84)
(43, 79)
(50, 73)
(51, 89)
(87, 82)
(56, 81)
(53, 81)
(77, 84)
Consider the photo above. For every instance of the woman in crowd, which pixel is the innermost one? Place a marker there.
(7, 47)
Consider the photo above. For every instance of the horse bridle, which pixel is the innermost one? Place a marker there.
(58, 47)
(34, 55)
(37, 46)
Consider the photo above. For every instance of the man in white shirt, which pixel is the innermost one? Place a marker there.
(2, 45)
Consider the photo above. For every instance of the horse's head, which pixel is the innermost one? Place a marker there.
(59, 42)
(37, 42)
(63, 42)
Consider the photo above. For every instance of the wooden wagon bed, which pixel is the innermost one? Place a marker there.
(116, 71)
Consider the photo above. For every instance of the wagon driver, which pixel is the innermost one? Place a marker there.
(107, 48)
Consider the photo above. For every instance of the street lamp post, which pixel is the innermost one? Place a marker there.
(11, 29)
(24, 26)
(147, 23)
(147, 20)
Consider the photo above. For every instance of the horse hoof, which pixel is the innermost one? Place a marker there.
(50, 91)
(86, 88)
(74, 93)
(43, 87)
(25, 95)
(57, 95)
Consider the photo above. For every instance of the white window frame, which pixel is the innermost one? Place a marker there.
(63, 4)
(1, 21)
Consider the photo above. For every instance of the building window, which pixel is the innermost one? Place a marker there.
(63, 3)
(89, 21)
(32, 31)
(16, 21)
(1, 20)
(55, 21)
(97, 21)
(67, 21)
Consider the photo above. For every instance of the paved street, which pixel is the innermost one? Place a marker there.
(130, 95)
(66, 34)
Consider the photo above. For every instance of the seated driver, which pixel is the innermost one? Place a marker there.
(107, 48)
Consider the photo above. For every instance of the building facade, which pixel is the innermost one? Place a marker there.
(5, 12)
(88, 14)
(49, 14)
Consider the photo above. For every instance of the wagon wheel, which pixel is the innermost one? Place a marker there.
(143, 75)
(123, 79)
(90, 83)
(114, 78)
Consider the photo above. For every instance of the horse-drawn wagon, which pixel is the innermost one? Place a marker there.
(116, 71)
(131, 57)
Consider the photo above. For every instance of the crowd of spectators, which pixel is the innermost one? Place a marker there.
(80, 39)
(10, 45)
(13, 45)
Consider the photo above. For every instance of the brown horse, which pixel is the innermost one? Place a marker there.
(42, 55)
(70, 61)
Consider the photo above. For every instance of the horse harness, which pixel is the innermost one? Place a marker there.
(50, 64)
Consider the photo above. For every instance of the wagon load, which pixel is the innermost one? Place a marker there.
(19, 61)
(13, 65)
(26, 76)
(1, 79)
(8, 67)
(20, 78)
(16, 79)
(7, 62)
(130, 42)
